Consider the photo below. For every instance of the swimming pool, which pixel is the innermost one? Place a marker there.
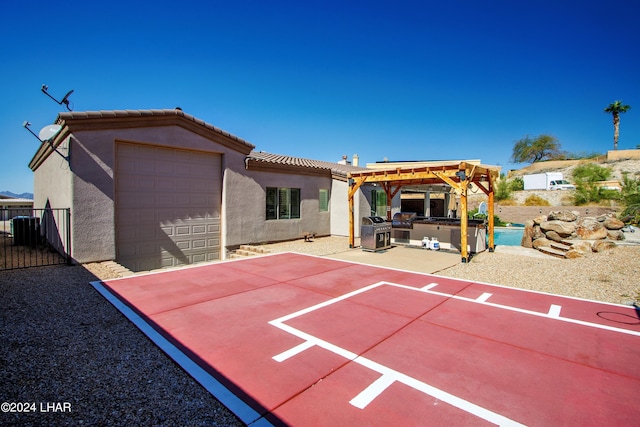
(507, 236)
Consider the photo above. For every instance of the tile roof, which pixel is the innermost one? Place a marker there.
(259, 156)
(74, 115)
(280, 159)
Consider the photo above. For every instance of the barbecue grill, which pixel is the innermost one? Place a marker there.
(375, 233)
(403, 219)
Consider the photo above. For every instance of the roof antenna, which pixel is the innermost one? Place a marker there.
(47, 135)
(64, 101)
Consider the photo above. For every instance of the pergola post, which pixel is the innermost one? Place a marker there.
(351, 226)
(464, 221)
(491, 222)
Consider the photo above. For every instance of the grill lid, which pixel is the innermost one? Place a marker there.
(404, 219)
(373, 220)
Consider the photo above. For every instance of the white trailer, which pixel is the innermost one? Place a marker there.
(546, 181)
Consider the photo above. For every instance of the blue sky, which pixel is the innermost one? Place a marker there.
(405, 80)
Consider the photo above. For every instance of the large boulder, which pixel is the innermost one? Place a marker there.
(540, 219)
(566, 216)
(537, 232)
(612, 223)
(538, 243)
(590, 229)
(527, 236)
(563, 228)
(552, 235)
(573, 254)
(582, 247)
(615, 235)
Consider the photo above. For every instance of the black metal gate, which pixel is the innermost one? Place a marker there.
(34, 237)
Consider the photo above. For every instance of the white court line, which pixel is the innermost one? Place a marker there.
(388, 375)
(293, 351)
(484, 297)
(429, 286)
(554, 310)
(525, 311)
(376, 388)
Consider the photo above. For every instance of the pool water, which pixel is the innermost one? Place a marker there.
(507, 236)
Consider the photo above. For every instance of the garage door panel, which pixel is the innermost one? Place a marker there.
(167, 207)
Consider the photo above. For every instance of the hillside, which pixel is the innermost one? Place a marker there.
(566, 167)
(17, 196)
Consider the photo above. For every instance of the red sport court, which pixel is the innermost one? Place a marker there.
(291, 339)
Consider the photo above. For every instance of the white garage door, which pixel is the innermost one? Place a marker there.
(167, 206)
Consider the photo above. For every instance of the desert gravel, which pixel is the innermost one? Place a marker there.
(62, 342)
(611, 276)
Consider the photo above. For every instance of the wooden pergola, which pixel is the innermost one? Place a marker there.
(460, 176)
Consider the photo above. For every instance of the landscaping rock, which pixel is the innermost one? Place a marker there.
(537, 232)
(603, 245)
(569, 228)
(552, 235)
(582, 246)
(563, 228)
(590, 229)
(527, 236)
(573, 254)
(541, 242)
(612, 223)
(540, 219)
(615, 235)
(566, 216)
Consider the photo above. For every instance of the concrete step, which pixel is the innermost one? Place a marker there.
(254, 249)
(246, 251)
(117, 268)
(243, 252)
(551, 251)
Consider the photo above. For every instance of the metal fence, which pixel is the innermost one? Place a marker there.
(34, 237)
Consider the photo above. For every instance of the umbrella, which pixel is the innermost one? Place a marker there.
(452, 203)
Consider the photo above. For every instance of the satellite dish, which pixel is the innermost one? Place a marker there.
(49, 132)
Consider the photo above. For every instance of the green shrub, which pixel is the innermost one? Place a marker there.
(516, 184)
(503, 190)
(630, 196)
(585, 178)
(591, 172)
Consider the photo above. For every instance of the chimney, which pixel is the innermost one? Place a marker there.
(356, 160)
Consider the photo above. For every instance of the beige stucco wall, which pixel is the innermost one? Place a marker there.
(52, 187)
(614, 155)
(52, 181)
(90, 189)
(245, 210)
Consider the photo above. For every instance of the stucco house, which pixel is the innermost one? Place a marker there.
(159, 188)
(12, 206)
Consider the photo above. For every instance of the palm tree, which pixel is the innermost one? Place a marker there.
(616, 108)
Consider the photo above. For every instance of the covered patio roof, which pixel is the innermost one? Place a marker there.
(461, 176)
